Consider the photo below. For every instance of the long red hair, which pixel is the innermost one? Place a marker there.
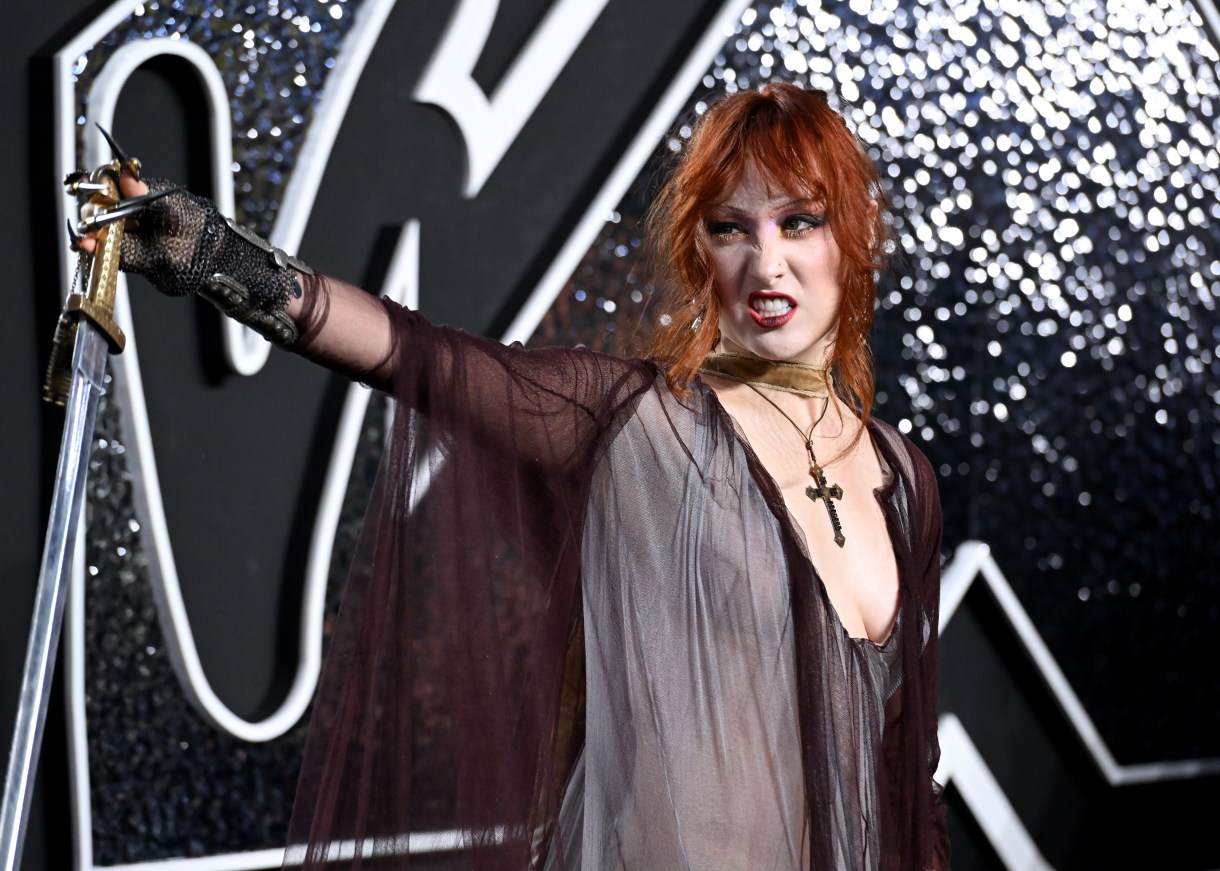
(803, 147)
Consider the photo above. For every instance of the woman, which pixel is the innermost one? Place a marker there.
(672, 613)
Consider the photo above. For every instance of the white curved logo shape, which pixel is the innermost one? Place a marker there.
(490, 125)
(130, 398)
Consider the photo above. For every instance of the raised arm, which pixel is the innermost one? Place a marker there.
(544, 407)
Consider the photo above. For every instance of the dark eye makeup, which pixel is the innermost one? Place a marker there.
(723, 229)
(794, 225)
(800, 224)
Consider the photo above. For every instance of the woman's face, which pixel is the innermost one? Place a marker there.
(775, 266)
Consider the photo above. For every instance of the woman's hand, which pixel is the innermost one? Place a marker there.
(129, 186)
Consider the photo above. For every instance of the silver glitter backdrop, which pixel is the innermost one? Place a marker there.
(1050, 340)
(274, 58)
(164, 782)
(1049, 336)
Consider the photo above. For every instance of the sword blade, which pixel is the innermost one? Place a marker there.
(88, 372)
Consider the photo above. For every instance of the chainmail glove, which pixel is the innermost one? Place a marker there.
(183, 245)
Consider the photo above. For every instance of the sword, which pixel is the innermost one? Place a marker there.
(85, 336)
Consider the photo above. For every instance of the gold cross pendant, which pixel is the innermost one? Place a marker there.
(826, 494)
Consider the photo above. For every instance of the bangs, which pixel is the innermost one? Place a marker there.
(788, 155)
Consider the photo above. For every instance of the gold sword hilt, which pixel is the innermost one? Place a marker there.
(101, 189)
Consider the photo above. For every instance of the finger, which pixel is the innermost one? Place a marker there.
(130, 186)
(88, 242)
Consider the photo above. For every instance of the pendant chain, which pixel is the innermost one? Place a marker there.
(822, 491)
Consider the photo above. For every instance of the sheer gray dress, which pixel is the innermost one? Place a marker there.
(692, 751)
(583, 632)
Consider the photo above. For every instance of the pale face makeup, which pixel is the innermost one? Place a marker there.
(775, 266)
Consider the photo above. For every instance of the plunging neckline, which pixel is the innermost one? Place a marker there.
(768, 487)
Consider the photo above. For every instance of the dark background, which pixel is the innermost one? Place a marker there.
(239, 574)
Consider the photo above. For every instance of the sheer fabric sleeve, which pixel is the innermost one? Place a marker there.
(548, 399)
(437, 723)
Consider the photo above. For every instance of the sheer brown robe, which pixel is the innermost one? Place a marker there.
(583, 632)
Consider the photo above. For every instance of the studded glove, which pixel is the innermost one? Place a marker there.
(183, 245)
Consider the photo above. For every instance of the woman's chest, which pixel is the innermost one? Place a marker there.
(696, 523)
(830, 496)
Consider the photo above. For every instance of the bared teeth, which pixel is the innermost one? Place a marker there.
(771, 306)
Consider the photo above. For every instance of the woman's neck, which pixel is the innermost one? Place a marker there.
(757, 372)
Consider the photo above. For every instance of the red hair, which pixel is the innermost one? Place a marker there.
(800, 146)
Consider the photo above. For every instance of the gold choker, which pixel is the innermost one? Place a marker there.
(757, 372)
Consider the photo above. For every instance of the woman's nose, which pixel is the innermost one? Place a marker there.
(768, 262)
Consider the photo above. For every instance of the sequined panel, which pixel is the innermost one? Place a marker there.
(1050, 336)
(164, 782)
(274, 58)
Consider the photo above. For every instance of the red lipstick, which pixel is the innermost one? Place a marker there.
(770, 322)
